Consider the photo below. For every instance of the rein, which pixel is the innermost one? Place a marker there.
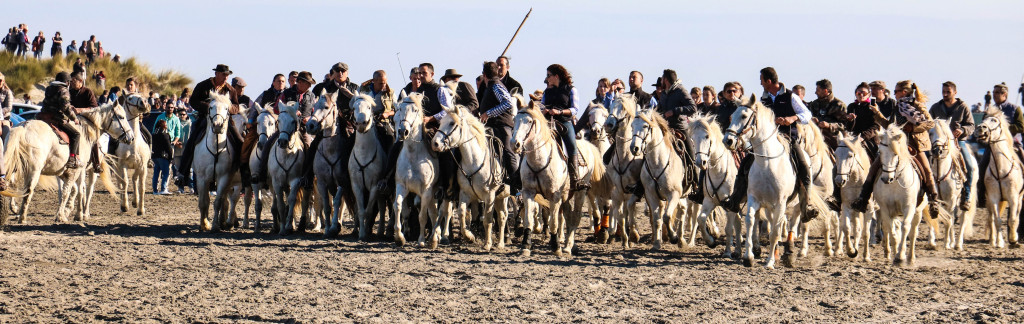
(896, 170)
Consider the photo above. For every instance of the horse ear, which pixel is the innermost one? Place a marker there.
(840, 136)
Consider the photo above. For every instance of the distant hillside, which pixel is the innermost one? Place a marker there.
(30, 75)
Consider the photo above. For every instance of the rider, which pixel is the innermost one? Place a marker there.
(200, 101)
(860, 120)
(6, 104)
(1014, 117)
(788, 109)
(267, 100)
(496, 113)
(912, 114)
(384, 103)
(303, 95)
(732, 93)
(560, 104)
(961, 123)
(829, 112)
(57, 107)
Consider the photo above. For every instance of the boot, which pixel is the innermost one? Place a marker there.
(928, 182)
(982, 169)
(803, 174)
(739, 191)
(861, 203)
(574, 177)
(261, 173)
(388, 180)
(72, 163)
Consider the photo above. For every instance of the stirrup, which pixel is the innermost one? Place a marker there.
(72, 163)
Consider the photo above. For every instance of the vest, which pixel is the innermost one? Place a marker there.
(643, 99)
(782, 107)
(490, 100)
(559, 97)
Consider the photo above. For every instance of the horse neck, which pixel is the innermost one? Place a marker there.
(1001, 151)
(768, 139)
(368, 140)
(657, 150)
(725, 164)
(91, 130)
(622, 133)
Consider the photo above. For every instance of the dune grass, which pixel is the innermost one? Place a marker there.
(24, 74)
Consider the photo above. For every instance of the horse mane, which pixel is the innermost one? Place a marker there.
(95, 116)
(994, 112)
(659, 121)
(897, 145)
(706, 122)
(628, 103)
(360, 96)
(219, 99)
(818, 141)
(462, 114)
(855, 145)
(533, 110)
(942, 126)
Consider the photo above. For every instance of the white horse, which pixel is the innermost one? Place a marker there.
(771, 181)
(946, 160)
(719, 179)
(284, 167)
(416, 171)
(624, 168)
(1004, 181)
(34, 150)
(135, 106)
(266, 125)
(479, 172)
(662, 172)
(600, 203)
(896, 191)
(821, 169)
(328, 164)
(134, 157)
(366, 163)
(212, 166)
(852, 164)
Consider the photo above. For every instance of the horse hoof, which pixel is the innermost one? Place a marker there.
(333, 231)
(140, 213)
(399, 240)
(852, 254)
(286, 232)
(124, 209)
(655, 246)
(1014, 245)
(788, 259)
(558, 252)
(444, 240)
(713, 244)
(757, 251)
(735, 255)
(487, 248)
(748, 262)
(525, 253)
(675, 240)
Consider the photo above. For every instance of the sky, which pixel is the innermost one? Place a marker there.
(974, 43)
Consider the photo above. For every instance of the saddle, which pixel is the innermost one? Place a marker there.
(53, 120)
(559, 129)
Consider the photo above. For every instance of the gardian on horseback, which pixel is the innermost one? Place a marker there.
(913, 115)
(675, 105)
(59, 113)
(200, 102)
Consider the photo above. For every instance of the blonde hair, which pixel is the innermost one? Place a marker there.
(910, 87)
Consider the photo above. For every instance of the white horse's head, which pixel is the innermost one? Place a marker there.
(409, 116)
(457, 127)
(622, 110)
(745, 123)
(134, 104)
(892, 152)
(117, 124)
(288, 123)
(648, 131)
(704, 133)
(850, 156)
(325, 113)
(993, 128)
(941, 137)
(266, 123)
(529, 123)
(219, 106)
(362, 111)
(596, 120)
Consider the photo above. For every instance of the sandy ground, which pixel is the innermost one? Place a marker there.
(159, 268)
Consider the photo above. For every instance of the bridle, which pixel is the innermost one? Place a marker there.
(747, 126)
(896, 169)
(848, 173)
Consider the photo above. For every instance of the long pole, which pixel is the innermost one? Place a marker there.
(517, 32)
(401, 70)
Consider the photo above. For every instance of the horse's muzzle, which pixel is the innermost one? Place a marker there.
(841, 181)
(887, 179)
(283, 140)
(313, 127)
(729, 142)
(402, 133)
(517, 146)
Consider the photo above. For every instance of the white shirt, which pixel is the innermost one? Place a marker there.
(802, 113)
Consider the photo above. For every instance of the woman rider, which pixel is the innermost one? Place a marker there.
(560, 105)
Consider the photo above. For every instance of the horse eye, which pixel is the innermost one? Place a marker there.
(707, 137)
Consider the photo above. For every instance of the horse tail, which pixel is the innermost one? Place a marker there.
(543, 202)
(816, 201)
(16, 158)
(105, 161)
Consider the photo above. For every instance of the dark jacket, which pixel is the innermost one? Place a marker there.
(162, 145)
(82, 98)
(431, 106)
(559, 97)
(305, 100)
(959, 116)
(344, 110)
(269, 97)
(511, 84)
(677, 101)
(830, 110)
(724, 114)
(200, 98)
(57, 101)
(888, 109)
(465, 95)
(864, 124)
(643, 99)
(488, 101)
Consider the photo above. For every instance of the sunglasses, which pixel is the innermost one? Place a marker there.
(732, 90)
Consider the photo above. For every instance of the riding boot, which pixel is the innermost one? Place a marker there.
(861, 202)
(261, 173)
(574, 178)
(697, 194)
(146, 136)
(739, 191)
(608, 155)
(928, 182)
(803, 174)
(307, 162)
(387, 180)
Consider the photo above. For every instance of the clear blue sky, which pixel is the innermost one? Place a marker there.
(973, 43)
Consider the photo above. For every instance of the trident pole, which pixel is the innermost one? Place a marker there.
(517, 32)
(401, 70)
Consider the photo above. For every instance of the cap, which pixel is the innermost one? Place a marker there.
(877, 84)
(339, 67)
(238, 82)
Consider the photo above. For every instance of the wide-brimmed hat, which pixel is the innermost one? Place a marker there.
(222, 68)
(450, 73)
(306, 76)
(657, 83)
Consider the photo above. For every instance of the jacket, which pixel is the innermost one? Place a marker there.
(6, 102)
(82, 98)
(305, 101)
(677, 101)
(384, 100)
(864, 124)
(57, 101)
(831, 111)
(917, 121)
(201, 96)
(162, 146)
(959, 116)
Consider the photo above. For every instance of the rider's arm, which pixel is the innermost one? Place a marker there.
(802, 113)
(504, 100)
(1017, 124)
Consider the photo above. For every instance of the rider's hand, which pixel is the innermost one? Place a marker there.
(957, 133)
(483, 117)
(781, 121)
(851, 116)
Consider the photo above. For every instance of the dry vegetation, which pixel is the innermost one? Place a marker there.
(24, 75)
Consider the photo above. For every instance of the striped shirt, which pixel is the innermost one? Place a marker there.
(504, 99)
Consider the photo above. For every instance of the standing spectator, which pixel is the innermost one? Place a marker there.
(22, 40)
(81, 49)
(8, 40)
(183, 99)
(172, 122)
(91, 49)
(6, 99)
(99, 50)
(161, 158)
(710, 103)
(25, 99)
(186, 127)
(73, 48)
(695, 93)
(101, 79)
(293, 76)
(103, 98)
(78, 67)
(57, 45)
(38, 45)
(117, 58)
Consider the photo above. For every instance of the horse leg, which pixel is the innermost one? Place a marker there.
(993, 224)
(501, 209)
(776, 226)
(736, 235)
(750, 222)
(464, 214)
(572, 222)
(400, 212)
(203, 190)
(1012, 222)
(707, 208)
(140, 191)
(66, 194)
(528, 212)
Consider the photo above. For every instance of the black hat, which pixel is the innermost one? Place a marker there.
(222, 68)
(450, 73)
(657, 83)
(339, 67)
(306, 76)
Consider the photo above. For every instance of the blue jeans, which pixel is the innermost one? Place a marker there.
(568, 138)
(972, 165)
(161, 171)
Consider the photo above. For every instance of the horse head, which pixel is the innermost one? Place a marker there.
(892, 147)
(325, 112)
(449, 133)
(527, 122)
(703, 132)
(596, 120)
(993, 128)
(622, 110)
(362, 106)
(940, 136)
(743, 124)
(850, 155)
(266, 123)
(643, 132)
(219, 105)
(135, 105)
(118, 125)
(409, 115)
(288, 123)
